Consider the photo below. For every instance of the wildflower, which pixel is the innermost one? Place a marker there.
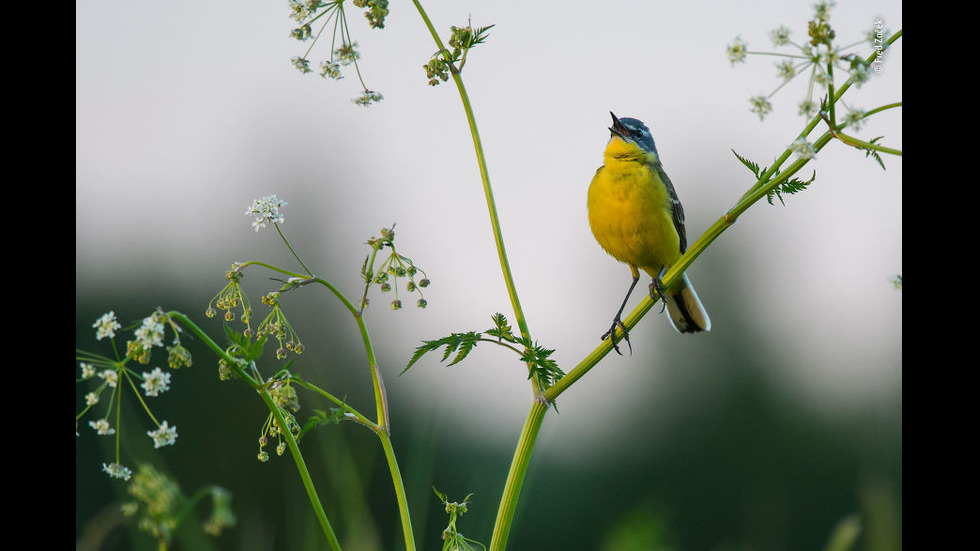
(150, 334)
(302, 33)
(760, 106)
(155, 382)
(106, 326)
(165, 435)
(786, 69)
(102, 427)
(91, 399)
(808, 108)
(821, 10)
(737, 51)
(266, 210)
(780, 36)
(376, 12)
(302, 64)
(368, 97)
(329, 69)
(178, 357)
(347, 53)
(116, 470)
(854, 118)
(803, 148)
(110, 376)
(88, 370)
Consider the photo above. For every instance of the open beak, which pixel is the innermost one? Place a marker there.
(617, 128)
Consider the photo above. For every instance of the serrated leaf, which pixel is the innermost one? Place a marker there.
(789, 187)
(460, 343)
(501, 330)
(874, 154)
(542, 365)
(320, 417)
(754, 167)
(245, 347)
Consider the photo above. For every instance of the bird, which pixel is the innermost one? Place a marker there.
(637, 218)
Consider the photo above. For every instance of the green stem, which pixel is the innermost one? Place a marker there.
(304, 473)
(515, 478)
(396, 479)
(485, 176)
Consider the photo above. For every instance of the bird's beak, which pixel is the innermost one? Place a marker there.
(617, 128)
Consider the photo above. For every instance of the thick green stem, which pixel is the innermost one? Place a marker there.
(396, 479)
(515, 478)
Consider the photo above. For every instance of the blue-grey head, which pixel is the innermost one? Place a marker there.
(633, 130)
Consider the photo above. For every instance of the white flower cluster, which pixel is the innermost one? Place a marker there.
(266, 210)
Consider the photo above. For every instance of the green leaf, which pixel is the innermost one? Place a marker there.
(873, 153)
(789, 187)
(320, 417)
(542, 365)
(501, 329)
(754, 167)
(461, 343)
(243, 346)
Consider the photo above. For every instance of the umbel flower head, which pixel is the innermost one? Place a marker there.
(820, 58)
(343, 50)
(266, 210)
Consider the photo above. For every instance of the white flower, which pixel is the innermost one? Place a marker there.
(102, 427)
(150, 334)
(760, 106)
(88, 370)
(803, 148)
(116, 470)
(110, 376)
(266, 210)
(155, 382)
(91, 398)
(780, 36)
(165, 435)
(106, 326)
(737, 51)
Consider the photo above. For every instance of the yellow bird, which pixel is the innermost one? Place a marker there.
(636, 217)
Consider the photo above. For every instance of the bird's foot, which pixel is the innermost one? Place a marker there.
(656, 291)
(612, 335)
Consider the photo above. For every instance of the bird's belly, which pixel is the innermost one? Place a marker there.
(631, 218)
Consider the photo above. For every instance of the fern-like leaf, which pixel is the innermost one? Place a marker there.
(789, 187)
(320, 417)
(460, 343)
(874, 154)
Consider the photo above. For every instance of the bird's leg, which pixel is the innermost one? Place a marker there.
(618, 322)
(655, 287)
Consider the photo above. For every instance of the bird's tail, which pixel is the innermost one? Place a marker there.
(685, 310)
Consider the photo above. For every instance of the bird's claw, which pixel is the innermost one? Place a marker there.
(655, 287)
(612, 335)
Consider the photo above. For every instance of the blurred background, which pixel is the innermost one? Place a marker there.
(760, 435)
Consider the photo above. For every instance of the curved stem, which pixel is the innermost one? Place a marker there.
(485, 176)
(304, 473)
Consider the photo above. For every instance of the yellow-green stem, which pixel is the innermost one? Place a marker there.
(485, 176)
(396, 479)
(515, 478)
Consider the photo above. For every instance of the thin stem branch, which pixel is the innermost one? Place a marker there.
(304, 473)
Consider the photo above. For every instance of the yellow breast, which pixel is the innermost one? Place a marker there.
(630, 210)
